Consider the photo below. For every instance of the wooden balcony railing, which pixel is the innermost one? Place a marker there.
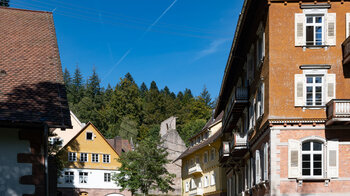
(196, 191)
(338, 111)
(224, 151)
(195, 169)
(239, 141)
(237, 103)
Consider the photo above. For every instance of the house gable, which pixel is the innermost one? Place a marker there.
(96, 144)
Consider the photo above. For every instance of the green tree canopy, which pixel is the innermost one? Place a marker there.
(144, 169)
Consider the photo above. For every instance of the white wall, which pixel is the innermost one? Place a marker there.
(95, 179)
(10, 170)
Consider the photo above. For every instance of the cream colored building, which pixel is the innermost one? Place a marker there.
(201, 171)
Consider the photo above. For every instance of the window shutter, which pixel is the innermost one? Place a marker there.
(331, 29)
(266, 161)
(294, 158)
(347, 25)
(299, 95)
(330, 92)
(257, 167)
(332, 159)
(263, 44)
(262, 97)
(248, 174)
(299, 30)
(252, 173)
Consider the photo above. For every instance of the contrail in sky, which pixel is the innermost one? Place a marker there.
(140, 38)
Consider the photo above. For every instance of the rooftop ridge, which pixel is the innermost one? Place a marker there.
(25, 10)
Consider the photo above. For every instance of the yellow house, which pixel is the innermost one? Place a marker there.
(201, 171)
(90, 163)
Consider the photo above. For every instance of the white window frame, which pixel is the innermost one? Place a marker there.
(187, 187)
(106, 158)
(206, 181)
(95, 159)
(83, 177)
(107, 177)
(314, 85)
(212, 179)
(84, 157)
(300, 83)
(72, 156)
(69, 177)
(315, 24)
(311, 154)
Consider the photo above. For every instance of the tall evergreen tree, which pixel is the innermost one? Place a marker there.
(143, 89)
(205, 95)
(93, 88)
(77, 89)
(153, 86)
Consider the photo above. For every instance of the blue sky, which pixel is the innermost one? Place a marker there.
(181, 43)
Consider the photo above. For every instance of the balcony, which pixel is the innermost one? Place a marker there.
(196, 169)
(196, 191)
(224, 152)
(238, 146)
(237, 103)
(338, 112)
(346, 52)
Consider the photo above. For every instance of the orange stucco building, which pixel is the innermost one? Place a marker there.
(286, 98)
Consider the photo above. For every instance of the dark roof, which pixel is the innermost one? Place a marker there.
(120, 145)
(193, 149)
(31, 81)
(209, 123)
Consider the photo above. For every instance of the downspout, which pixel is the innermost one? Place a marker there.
(46, 135)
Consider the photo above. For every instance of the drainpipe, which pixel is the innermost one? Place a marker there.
(46, 135)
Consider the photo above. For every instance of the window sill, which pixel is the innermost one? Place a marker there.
(314, 107)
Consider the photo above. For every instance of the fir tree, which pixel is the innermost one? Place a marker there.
(5, 3)
(205, 95)
(77, 89)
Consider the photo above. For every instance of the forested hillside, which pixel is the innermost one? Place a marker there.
(129, 110)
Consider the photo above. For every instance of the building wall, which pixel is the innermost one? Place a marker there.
(12, 171)
(339, 185)
(98, 145)
(67, 134)
(212, 166)
(92, 192)
(285, 59)
(95, 179)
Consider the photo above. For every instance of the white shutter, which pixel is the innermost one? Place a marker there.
(332, 159)
(300, 33)
(252, 172)
(262, 89)
(331, 29)
(266, 161)
(330, 86)
(248, 174)
(347, 25)
(263, 44)
(299, 94)
(257, 167)
(294, 158)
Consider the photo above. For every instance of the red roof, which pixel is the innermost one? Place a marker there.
(31, 81)
(120, 145)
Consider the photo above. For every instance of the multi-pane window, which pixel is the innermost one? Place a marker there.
(205, 157)
(94, 158)
(314, 90)
(83, 157)
(83, 177)
(69, 177)
(72, 156)
(312, 152)
(212, 154)
(315, 30)
(107, 177)
(106, 158)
